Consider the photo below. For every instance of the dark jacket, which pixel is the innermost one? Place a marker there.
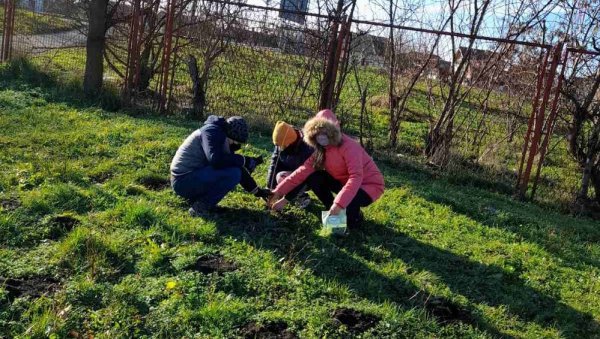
(287, 160)
(206, 146)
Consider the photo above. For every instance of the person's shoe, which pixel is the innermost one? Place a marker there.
(355, 224)
(303, 201)
(201, 209)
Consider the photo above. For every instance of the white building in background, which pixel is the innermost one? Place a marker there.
(369, 50)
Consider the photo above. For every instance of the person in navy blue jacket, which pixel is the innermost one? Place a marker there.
(206, 168)
(290, 152)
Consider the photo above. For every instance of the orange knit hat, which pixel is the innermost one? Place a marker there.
(284, 134)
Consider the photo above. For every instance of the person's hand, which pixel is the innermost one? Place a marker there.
(250, 163)
(273, 198)
(279, 205)
(263, 193)
(335, 209)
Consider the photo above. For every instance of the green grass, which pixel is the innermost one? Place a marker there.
(87, 211)
(28, 22)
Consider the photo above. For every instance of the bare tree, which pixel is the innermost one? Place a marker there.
(525, 16)
(441, 133)
(210, 38)
(584, 130)
(582, 93)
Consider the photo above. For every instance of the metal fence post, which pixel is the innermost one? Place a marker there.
(538, 114)
(7, 30)
(132, 71)
(166, 62)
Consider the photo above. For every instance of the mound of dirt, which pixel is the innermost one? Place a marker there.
(35, 286)
(10, 204)
(211, 263)
(354, 320)
(67, 222)
(275, 330)
(154, 183)
(446, 311)
(100, 177)
(61, 225)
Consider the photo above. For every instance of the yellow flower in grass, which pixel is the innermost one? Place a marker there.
(171, 285)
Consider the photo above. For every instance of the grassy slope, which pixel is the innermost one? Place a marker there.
(503, 267)
(28, 22)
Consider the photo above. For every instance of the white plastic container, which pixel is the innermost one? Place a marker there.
(334, 224)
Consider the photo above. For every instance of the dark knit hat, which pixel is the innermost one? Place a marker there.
(237, 129)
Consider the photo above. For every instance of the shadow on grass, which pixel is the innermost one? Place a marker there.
(347, 261)
(562, 235)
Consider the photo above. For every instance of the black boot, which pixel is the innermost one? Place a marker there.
(355, 223)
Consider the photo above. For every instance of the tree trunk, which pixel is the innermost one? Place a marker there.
(198, 88)
(585, 180)
(146, 67)
(94, 62)
(596, 181)
(363, 111)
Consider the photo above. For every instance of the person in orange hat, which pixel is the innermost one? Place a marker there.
(338, 165)
(290, 153)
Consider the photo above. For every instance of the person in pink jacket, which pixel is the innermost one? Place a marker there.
(338, 165)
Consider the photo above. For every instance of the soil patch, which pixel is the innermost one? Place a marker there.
(154, 183)
(275, 330)
(354, 320)
(61, 224)
(10, 204)
(446, 311)
(67, 222)
(213, 263)
(100, 177)
(30, 286)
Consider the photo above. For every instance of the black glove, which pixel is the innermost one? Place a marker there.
(263, 193)
(250, 163)
(235, 147)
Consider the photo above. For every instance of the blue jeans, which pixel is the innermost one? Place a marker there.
(208, 184)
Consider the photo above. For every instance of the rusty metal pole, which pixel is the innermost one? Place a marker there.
(138, 47)
(325, 100)
(8, 30)
(133, 55)
(534, 107)
(336, 64)
(539, 120)
(551, 122)
(166, 62)
(343, 60)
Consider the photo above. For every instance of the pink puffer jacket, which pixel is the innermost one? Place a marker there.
(347, 162)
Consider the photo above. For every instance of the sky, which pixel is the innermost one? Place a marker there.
(424, 13)
(430, 13)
